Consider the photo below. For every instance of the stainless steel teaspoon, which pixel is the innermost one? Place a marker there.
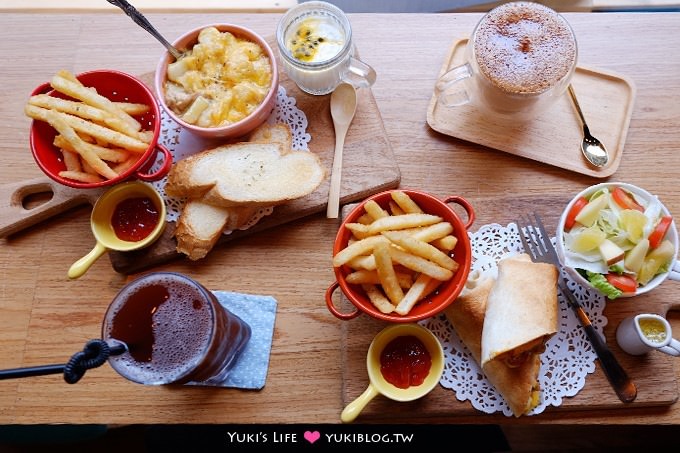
(592, 148)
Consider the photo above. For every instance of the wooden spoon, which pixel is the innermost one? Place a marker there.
(343, 107)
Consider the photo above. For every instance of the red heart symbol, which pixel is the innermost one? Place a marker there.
(312, 436)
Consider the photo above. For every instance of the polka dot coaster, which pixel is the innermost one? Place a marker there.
(250, 371)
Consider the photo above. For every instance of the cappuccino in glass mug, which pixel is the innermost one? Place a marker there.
(519, 60)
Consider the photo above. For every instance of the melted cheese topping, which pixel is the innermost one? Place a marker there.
(222, 80)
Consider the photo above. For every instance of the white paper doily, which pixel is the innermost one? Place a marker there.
(182, 143)
(567, 360)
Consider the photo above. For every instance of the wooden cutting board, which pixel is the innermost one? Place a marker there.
(368, 167)
(653, 373)
(25, 203)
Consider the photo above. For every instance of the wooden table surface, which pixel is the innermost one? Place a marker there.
(44, 317)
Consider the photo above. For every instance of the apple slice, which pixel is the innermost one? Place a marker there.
(664, 252)
(588, 239)
(654, 260)
(591, 211)
(636, 256)
(611, 252)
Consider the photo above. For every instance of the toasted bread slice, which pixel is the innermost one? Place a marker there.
(276, 133)
(200, 226)
(254, 174)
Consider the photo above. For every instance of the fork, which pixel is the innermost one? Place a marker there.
(539, 247)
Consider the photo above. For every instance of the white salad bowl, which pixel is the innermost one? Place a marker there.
(642, 195)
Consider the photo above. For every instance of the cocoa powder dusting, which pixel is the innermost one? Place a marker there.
(524, 47)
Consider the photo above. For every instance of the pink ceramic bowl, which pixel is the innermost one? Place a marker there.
(117, 86)
(234, 130)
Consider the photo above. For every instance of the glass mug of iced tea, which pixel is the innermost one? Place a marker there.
(175, 330)
(317, 53)
(520, 58)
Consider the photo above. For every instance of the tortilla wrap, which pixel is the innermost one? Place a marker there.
(521, 311)
(518, 386)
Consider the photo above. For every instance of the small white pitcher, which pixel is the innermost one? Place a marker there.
(646, 332)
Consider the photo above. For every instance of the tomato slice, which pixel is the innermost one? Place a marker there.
(573, 212)
(626, 200)
(625, 283)
(660, 231)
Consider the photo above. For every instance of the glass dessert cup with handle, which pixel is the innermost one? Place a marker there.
(317, 51)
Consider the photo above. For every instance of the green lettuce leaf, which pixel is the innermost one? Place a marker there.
(600, 283)
(617, 268)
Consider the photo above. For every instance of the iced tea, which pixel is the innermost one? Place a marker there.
(175, 329)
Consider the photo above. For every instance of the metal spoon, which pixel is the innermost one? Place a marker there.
(142, 21)
(592, 148)
(343, 106)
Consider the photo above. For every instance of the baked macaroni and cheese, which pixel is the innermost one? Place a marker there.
(220, 81)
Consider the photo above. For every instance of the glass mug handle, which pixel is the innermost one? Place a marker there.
(359, 74)
(448, 81)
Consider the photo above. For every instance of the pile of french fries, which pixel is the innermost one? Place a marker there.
(400, 255)
(99, 139)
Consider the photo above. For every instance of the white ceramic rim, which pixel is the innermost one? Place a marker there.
(643, 337)
(672, 235)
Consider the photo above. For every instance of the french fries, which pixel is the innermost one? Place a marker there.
(378, 299)
(421, 248)
(423, 286)
(405, 203)
(401, 222)
(99, 139)
(398, 254)
(358, 248)
(419, 264)
(374, 210)
(72, 87)
(386, 275)
(81, 147)
(365, 276)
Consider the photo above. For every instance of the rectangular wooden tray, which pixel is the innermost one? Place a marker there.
(653, 373)
(555, 136)
(369, 166)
